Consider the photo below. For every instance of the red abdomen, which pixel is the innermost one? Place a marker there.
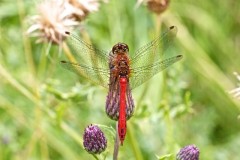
(122, 127)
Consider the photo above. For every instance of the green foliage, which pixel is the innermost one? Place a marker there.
(44, 108)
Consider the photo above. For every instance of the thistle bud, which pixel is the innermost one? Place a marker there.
(113, 103)
(94, 140)
(190, 152)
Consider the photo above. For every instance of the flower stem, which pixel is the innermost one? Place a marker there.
(158, 24)
(95, 156)
(5, 74)
(26, 42)
(116, 144)
(68, 52)
(72, 133)
(133, 142)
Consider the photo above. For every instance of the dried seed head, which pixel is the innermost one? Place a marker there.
(190, 152)
(94, 140)
(157, 6)
(53, 20)
(81, 8)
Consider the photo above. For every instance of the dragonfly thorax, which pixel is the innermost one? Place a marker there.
(119, 61)
(123, 68)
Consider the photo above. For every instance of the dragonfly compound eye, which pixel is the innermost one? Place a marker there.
(120, 47)
(124, 47)
(115, 49)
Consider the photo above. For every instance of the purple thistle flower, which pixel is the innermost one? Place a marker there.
(94, 140)
(190, 152)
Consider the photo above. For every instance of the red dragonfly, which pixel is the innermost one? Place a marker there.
(120, 72)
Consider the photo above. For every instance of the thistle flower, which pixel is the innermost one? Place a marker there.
(5, 139)
(94, 140)
(190, 152)
(157, 6)
(236, 92)
(53, 20)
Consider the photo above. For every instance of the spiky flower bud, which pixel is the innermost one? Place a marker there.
(189, 152)
(113, 103)
(94, 140)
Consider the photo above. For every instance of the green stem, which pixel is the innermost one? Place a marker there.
(141, 98)
(72, 134)
(68, 52)
(95, 156)
(116, 144)
(158, 24)
(43, 64)
(5, 74)
(137, 152)
(26, 42)
(169, 140)
(169, 133)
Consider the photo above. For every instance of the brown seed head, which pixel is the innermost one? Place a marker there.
(158, 6)
(52, 21)
(81, 8)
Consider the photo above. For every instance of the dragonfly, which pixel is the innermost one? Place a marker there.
(119, 71)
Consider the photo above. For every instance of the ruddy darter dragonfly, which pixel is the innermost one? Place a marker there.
(120, 72)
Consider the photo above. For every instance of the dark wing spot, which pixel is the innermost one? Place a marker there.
(63, 61)
(66, 32)
(179, 56)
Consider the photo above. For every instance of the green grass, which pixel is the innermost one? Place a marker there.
(44, 108)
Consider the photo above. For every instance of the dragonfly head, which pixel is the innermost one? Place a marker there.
(120, 48)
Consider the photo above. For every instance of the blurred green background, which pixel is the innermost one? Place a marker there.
(44, 108)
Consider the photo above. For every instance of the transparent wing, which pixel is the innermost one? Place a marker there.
(96, 75)
(85, 53)
(155, 50)
(142, 74)
(88, 61)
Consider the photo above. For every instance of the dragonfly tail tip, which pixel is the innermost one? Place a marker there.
(121, 143)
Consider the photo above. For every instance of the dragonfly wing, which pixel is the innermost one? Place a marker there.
(88, 61)
(96, 75)
(142, 74)
(150, 53)
(85, 53)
